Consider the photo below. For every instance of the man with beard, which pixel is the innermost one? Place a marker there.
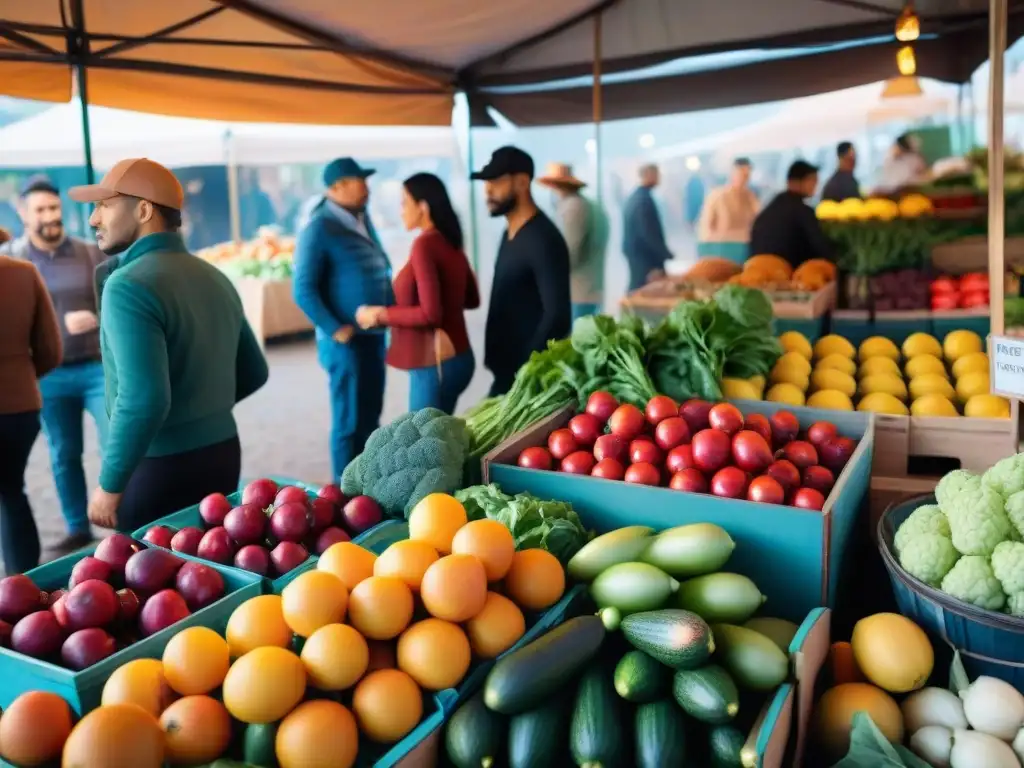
(68, 267)
(177, 353)
(340, 266)
(530, 302)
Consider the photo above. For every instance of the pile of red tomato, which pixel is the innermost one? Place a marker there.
(964, 292)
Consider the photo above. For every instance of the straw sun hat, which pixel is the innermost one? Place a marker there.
(560, 175)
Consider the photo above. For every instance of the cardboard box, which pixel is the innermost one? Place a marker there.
(270, 308)
(808, 652)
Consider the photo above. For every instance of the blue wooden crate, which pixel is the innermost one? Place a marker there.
(794, 555)
(955, 320)
(82, 690)
(435, 709)
(811, 327)
(858, 325)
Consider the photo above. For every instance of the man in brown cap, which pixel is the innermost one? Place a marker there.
(177, 353)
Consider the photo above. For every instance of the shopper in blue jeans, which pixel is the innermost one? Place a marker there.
(68, 268)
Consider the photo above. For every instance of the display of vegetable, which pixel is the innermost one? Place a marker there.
(964, 292)
(872, 247)
(268, 256)
(417, 454)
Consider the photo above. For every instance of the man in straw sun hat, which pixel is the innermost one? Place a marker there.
(177, 353)
(585, 228)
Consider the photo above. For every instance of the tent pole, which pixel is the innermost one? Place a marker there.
(996, 203)
(81, 76)
(474, 249)
(598, 106)
(234, 201)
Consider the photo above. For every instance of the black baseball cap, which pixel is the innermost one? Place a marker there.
(800, 170)
(505, 161)
(38, 183)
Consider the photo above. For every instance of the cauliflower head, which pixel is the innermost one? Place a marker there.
(977, 520)
(928, 557)
(1015, 511)
(927, 518)
(1015, 604)
(1006, 476)
(972, 581)
(1008, 565)
(953, 483)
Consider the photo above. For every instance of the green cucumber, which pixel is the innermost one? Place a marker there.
(660, 735)
(779, 631)
(536, 739)
(707, 694)
(258, 744)
(725, 746)
(755, 661)
(677, 638)
(475, 736)
(596, 734)
(727, 597)
(619, 546)
(632, 588)
(525, 678)
(690, 550)
(640, 679)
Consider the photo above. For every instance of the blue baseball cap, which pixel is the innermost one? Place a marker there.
(345, 168)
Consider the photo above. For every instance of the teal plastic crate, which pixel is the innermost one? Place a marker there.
(795, 556)
(856, 326)
(435, 709)
(82, 690)
(947, 322)
(813, 327)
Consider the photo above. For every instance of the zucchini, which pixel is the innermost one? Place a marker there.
(725, 746)
(779, 631)
(707, 694)
(660, 734)
(536, 739)
(690, 550)
(619, 546)
(475, 736)
(675, 637)
(258, 744)
(727, 597)
(596, 734)
(525, 678)
(633, 587)
(640, 679)
(751, 658)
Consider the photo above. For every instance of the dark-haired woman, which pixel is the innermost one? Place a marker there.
(432, 293)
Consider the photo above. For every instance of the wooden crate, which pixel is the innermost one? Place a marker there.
(892, 445)
(885, 491)
(976, 444)
(820, 303)
(270, 308)
(652, 300)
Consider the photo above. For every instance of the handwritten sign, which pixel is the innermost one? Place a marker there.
(1006, 357)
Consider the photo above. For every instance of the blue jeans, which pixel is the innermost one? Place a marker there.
(582, 310)
(427, 390)
(68, 392)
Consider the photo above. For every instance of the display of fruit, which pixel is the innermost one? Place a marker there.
(702, 447)
(968, 291)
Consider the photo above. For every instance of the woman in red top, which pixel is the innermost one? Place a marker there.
(432, 292)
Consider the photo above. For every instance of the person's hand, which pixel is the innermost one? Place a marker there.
(369, 317)
(80, 321)
(655, 274)
(344, 334)
(103, 508)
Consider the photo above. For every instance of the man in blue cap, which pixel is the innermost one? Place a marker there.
(340, 266)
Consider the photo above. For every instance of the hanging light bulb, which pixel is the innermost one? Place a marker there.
(908, 25)
(905, 60)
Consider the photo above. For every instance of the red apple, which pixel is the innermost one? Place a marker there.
(585, 428)
(757, 422)
(578, 463)
(725, 417)
(671, 432)
(808, 498)
(611, 447)
(729, 482)
(659, 408)
(785, 427)
(786, 473)
(535, 458)
(819, 432)
(801, 453)
(751, 452)
(695, 412)
(766, 490)
(835, 453)
(609, 469)
(690, 479)
(711, 450)
(680, 458)
(644, 451)
(601, 405)
(819, 478)
(561, 443)
(627, 422)
(643, 474)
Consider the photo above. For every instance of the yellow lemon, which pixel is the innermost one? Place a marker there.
(933, 405)
(785, 393)
(930, 384)
(883, 382)
(794, 341)
(882, 402)
(792, 376)
(874, 366)
(791, 361)
(971, 384)
(741, 389)
(921, 344)
(758, 381)
(976, 361)
(839, 363)
(878, 346)
(922, 364)
(987, 407)
(830, 378)
(833, 344)
(960, 343)
(830, 399)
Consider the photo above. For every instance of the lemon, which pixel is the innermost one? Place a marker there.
(933, 405)
(987, 407)
(930, 384)
(758, 381)
(839, 363)
(922, 364)
(831, 399)
(794, 341)
(830, 378)
(876, 365)
(971, 384)
(878, 346)
(833, 344)
(960, 343)
(882, 402)
(739, 389)
(794, 361)
(976, 361)
(785, 393)
(883, 382)
(921, 344)
(790, 375)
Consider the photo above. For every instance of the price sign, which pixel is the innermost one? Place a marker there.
(1006, 358)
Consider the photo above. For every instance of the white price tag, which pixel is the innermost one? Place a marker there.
(1006, 358)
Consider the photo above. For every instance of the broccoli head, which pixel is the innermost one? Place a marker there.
(1006, 476)
(927, 518)
(953, 483)
(1008, 565)
(972, 581)
(977, 521)
(928, 557)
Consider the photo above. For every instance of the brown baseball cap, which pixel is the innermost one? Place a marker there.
(138, 177)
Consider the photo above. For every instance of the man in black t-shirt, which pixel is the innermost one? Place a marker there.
(787, 226)
(530, 302)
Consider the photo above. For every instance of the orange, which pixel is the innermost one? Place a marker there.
(264, 685)
(536, 579)
(406, 560)
(496, 628)
(195, 661)
(380, 607)
(313, 600)
(317, 734)
(335, 657)
(454, 588)
(435, 520)
(34, 728)
(349, 562)
(257, 622)
(115, 735)
(198, 730)
(382, 656)
(434, 653)
(491, 542)
(139, 682)
(387, 704)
